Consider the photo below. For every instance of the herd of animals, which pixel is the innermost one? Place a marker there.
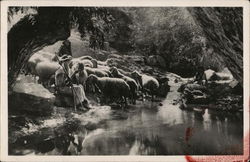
(112, 83)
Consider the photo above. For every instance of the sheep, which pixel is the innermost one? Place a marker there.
(33, 61)
(112, 88)
(87, 61)
(131, 82)
(105, 69)
(85, 58)
(102, 63)
(45, 70)
(125, 73)
(46, 66)
(97, 72)
(94, 62)
(148, 83)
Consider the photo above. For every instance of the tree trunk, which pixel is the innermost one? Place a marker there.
(223, 29)
(32, 33)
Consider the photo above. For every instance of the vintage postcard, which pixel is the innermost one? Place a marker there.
(125, 80)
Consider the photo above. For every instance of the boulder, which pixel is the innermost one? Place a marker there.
(32, 98)
(65, 96)
(209, 74)
(196, 97)
(193, 94)
(191, 87)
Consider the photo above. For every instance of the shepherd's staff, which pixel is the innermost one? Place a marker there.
(71, 84)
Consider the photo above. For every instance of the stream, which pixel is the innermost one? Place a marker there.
(147, 128)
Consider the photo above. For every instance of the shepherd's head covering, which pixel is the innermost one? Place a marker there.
(65, 58)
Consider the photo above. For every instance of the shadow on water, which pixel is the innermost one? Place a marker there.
(144, 129)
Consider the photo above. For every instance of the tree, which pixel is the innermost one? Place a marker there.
(47, 26)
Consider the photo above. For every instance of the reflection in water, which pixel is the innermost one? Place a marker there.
(144, 129)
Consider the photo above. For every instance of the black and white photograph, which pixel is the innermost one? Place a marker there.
(104, 80)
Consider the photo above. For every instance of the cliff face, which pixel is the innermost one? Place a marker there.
(223, 28)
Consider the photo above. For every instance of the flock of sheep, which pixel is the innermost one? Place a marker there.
(115, 85)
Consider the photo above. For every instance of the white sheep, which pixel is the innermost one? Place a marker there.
(96, 71)
(43, 65)
(45, 69)
(33, 61)
(85, 58)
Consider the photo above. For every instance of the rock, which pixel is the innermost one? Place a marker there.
(32, 98)
(194, 94)
(26, 79)
(223, 76)
(233, 83)
(65, 96)
(191, 87)
(208, 74)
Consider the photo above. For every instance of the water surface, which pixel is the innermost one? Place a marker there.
(148, 128)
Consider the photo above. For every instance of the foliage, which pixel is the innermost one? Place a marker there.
(172, 33)
(47, 25)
